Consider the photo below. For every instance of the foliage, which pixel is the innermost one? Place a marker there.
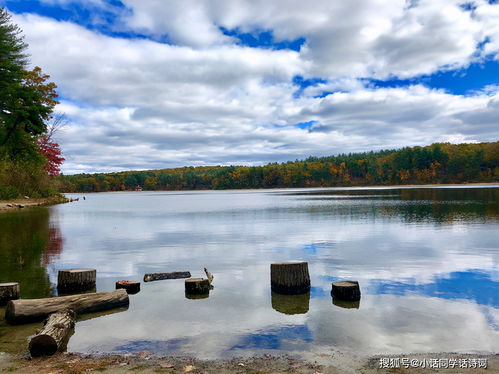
(28, 155)
(437, 163)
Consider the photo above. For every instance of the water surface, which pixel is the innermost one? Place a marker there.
(426, 260)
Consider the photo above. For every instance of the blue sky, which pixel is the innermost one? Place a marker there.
(154, 84)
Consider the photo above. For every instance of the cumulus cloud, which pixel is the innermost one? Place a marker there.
(203, 98)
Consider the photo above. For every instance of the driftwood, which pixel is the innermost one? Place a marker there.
(197, 286)
(346, 290)
(75, 280)
(8, 291)
(209, 276)
(131, 287)
(161, 276)
(32, 310)
(54, 335)
(290, 278)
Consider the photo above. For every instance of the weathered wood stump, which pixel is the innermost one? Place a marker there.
(54, 335)
(197, 286)
(290, 278)
(8, 291)
(131, 287)
(291, 304)
(346, 290)
(161, 276)
(32, 310)
(346, 304)
(75, 280)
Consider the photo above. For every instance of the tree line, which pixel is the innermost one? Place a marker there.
(29, 156)
(437, 163)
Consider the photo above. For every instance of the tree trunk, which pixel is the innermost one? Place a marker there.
(346, 290)
(75, 280)
(161, 276)
(131, 287)
(54, 335)
(8, 291)
(290, 278)
(196, 286)
(32, 310)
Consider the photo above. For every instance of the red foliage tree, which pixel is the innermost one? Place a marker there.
(52, 152)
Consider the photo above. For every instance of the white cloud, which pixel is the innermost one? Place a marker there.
(141, 104)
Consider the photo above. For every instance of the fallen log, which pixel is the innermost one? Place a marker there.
(290, 278)
(54, 335)
(8, 291)
(32, 310)
(161, 276)
(75, 280)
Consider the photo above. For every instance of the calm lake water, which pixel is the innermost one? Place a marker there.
(426, 260)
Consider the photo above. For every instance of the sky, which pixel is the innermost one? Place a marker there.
(150, 84)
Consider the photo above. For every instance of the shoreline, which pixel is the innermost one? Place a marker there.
(378, 186)
(22, 203)
(333, 363)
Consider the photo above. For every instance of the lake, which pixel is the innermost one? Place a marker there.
(426, 260)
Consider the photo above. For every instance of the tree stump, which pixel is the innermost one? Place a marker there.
(197, 286)
(346, 304)
(76, 280)
(54, 335)
(290, 278)
(131, 287)
(346, 290)
(9, 291)
(32, 310)
(161, 276)
(291, 304)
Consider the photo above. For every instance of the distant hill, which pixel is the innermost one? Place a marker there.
(437, 163)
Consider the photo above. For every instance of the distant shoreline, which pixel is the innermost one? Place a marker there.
(392, 186)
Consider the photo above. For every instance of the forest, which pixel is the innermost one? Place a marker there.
(434, 164)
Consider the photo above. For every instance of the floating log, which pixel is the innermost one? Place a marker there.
(32, 310)
(161, 276)
(75, 280)
(8, 291)
(291, 304)
(346, 304)
(131, 287)
(346, 290)
(197, 286)
(54, 335)
(290, 278)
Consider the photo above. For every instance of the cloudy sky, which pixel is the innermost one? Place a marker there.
(150, 84)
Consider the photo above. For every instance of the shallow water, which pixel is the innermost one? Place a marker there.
(426, 260)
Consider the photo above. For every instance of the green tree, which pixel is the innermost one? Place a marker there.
(26, 98)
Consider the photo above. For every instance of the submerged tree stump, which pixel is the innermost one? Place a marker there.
(9, 291)
(32, 310)
(197, 286)
(161, 276)
(75, 280)
(291, 304)
(346, 290)
(346, 304)
(54, 335)
(131, 287)
(290, 278)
